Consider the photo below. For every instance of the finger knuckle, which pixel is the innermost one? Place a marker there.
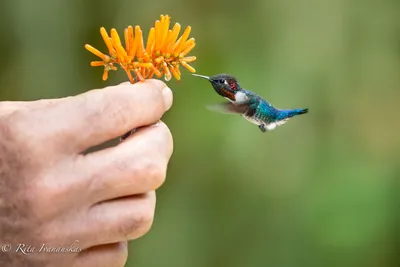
(153, 172)
(99, 176)
(138, 224)
(13, 127)
(19, 146)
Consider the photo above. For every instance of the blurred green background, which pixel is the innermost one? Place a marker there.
(322, 190)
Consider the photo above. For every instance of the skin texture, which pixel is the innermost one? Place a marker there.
(53, 194)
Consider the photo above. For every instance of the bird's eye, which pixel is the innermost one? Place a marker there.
(222, 81)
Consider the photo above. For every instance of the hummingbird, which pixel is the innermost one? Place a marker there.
(248, 104)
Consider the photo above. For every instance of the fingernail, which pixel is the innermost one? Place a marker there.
(157, 123)
(167, 93)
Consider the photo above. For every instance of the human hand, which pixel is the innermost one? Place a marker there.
(52, 194)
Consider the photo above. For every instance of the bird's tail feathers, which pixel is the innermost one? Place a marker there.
(288, 113)
(301, 111)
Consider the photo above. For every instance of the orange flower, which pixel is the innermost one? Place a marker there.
(162, 55)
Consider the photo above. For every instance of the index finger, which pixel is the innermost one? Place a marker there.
(96, 116)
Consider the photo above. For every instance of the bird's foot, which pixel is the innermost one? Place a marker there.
(262, 128)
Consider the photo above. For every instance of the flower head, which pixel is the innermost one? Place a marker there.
(162, 54)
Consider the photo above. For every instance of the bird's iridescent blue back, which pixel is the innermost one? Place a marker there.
(262, 108)
(265, 111)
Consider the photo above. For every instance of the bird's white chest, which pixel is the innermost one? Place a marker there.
(240, 98)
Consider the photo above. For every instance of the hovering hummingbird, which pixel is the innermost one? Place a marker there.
(251, 106)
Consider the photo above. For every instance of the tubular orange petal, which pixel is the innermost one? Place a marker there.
(139, 40)
(115, 38)
(95, 51)
(150, 41)
(156, 71)
(151, 74)
(145, 65)
(158, 29)
(189, 59)
(188, 43)
(174, 35)
(164, 31)
(144, 72)
(188, 49)
(175, 73)
(132, 51)
(188, 67)
(112, 67)
(165, 47)
(97, 63)
(167, 73)
(127, 40)
(105, 74)
(121, 53)
(131, 40)
(179, 45)
(107, 41)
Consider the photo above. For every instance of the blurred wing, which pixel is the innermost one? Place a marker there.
(228, 108)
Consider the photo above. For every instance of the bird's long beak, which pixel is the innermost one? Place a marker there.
(201, 76)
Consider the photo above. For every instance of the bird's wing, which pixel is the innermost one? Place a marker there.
(228, 108)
